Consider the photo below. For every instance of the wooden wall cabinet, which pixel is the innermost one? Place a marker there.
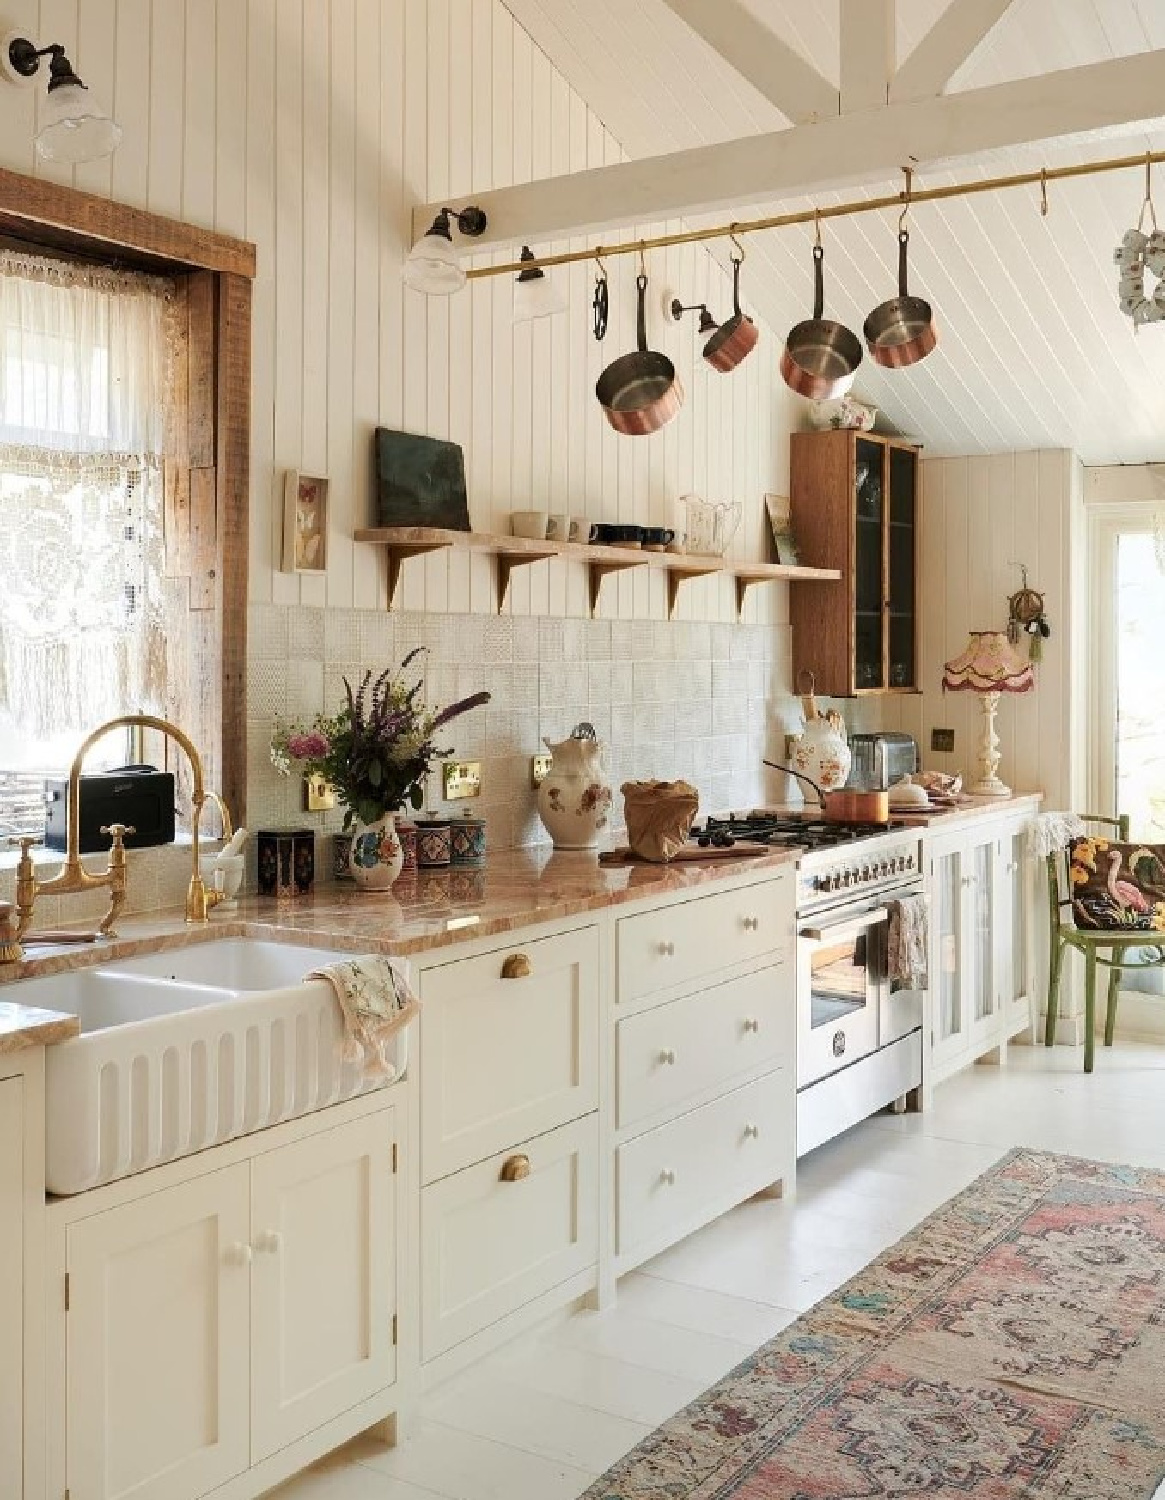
(854, 501)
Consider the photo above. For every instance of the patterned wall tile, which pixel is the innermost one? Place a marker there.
(306, 634)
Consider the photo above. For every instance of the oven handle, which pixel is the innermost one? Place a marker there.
(852, 925)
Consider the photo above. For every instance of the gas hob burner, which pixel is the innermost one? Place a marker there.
(784, 830)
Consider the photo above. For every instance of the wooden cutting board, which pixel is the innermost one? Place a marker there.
(688, 855)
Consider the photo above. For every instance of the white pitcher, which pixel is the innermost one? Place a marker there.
(574, 801)
(821, 750)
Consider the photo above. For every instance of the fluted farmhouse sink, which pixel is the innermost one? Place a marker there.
(182, 1050)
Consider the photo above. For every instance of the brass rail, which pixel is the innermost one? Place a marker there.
(911, 196)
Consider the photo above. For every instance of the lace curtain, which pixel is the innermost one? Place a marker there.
(86, 357)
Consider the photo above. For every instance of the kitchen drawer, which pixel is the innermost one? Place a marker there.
(705, 1161)
(504, 1059)
(489, 1245)
(658, 950)
(678, 1051)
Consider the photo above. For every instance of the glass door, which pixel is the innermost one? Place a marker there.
(1140, 683)
(980, 974)
(946, 917)
(869, 564)
(900, 551)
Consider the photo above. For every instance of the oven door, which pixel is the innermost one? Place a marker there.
(841, 974)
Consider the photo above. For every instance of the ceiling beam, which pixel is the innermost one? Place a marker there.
(773, 68)
(845, 151)
(946, 47)
(867, 53)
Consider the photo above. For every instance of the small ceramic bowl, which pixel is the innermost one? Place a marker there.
(530, 523)
(232, 870)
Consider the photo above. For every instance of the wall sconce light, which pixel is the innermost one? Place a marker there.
(432, 265)
(75, 127)
(708, 323)
(535, 295)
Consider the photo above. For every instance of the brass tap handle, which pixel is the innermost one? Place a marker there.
(117, 832)
(118, 875)
(27, 884)
(10, 950)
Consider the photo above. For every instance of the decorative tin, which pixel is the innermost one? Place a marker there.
(287, 862)
(406, 832)
(341, 853)
(468, 840)
(434, 842)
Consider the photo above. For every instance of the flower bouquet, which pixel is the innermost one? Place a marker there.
(376, 752)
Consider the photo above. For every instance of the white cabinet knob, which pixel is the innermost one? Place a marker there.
(751, 1023)
(238, 1254)
(667, 1177)
(667, 950)
(751, 1132)
(270, 1242)
(667, 1057)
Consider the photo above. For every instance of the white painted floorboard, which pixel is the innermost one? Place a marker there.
(541, 1418)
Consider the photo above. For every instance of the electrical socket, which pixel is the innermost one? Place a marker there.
(539, 769)
(319, 795)
(461, 779)
(942, 740)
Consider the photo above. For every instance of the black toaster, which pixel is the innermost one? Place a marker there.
(142, 797)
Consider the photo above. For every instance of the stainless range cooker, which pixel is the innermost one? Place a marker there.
(859, 1045)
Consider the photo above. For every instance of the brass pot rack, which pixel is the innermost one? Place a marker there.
(910, 196)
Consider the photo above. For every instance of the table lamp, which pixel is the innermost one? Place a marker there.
(989, 666)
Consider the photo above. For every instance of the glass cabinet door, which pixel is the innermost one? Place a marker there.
(901, 668)
(946, 894)
(1014, 901)
(869, 556)
(981, 961)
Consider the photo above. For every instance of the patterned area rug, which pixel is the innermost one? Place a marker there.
(1012, 1346)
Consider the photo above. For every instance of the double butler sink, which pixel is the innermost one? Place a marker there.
(183, 1050)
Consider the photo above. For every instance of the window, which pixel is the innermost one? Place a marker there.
(86, 356)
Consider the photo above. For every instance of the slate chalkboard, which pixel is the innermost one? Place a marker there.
(420, 481)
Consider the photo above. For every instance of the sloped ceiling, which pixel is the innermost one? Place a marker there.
(1034, 351)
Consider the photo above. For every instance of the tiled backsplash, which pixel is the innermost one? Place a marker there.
(700, 700)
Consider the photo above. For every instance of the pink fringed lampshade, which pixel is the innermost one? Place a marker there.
(989, 664)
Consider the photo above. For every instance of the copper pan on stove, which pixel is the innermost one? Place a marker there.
(846, 805)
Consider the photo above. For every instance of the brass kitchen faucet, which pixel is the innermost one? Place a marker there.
(73, 876)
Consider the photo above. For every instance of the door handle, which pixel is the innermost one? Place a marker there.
(855, 925)
(270, 1242)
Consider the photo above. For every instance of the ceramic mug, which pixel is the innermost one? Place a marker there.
(529, 523)
(580, 529)
(558, 528)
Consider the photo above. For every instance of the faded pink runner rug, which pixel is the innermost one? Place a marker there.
(1011, 1347)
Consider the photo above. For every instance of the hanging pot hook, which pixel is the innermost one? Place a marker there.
(1043, 192)
(817, 229)
(1147, 201)
(642, 258)
(908, 173)
(739, 256)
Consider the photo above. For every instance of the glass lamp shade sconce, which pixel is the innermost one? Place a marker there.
(75, 128)
(433, 265)
(535, 295)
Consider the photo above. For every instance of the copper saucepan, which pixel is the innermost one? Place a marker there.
(640, 392)
(901, 331)
(736, 338)
(845, 805)
(820, 356)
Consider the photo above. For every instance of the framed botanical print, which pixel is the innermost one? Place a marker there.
(305, 523)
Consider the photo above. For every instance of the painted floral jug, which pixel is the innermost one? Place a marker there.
(574, 800)
(821, 751)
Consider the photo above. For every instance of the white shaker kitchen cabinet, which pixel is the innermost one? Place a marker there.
(984, 916)
(158, 1336)
(950, 1024)
(1015, 877)
(323, 1279)
(11, 1286)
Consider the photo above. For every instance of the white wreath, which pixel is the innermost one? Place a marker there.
(1137, 253)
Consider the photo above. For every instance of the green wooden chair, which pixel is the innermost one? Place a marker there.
(1108, 948)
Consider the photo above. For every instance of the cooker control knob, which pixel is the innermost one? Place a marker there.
(910, 861)
(835, 881)
(867, 873)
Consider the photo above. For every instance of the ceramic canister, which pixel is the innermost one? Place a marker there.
(286, 862)
(341, 854)
(434, 842)
(468, 840)
(406, 832)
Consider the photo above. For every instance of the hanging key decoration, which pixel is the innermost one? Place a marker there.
(1027, 616)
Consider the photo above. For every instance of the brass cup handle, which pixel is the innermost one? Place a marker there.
(516, 966)
(751, 1132)
(24, 841)
(515, 1168)
(667, 950)
(667, 1177)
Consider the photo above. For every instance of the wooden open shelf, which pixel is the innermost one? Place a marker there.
(402, 542)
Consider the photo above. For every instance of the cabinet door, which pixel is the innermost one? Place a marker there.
(158, 1343)
(323, 1279)
(901, 632)
(11, 1284)
(980, 964)
(869, 564)
(1013, 909)
(950, 1025)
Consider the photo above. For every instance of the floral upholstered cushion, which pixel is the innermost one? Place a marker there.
(1117, 886)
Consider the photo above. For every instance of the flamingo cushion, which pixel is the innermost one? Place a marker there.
(1117, 886)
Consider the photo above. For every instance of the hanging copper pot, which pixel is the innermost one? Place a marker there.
(820, 357)
(640, 392)
(901, 331)
(736, 338)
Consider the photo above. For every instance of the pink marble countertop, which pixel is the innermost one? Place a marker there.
(26, 1026)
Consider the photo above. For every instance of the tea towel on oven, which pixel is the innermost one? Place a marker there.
(376, 1001)
(907, 943)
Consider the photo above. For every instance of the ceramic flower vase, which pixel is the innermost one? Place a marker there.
(377, 857)
(575, 798)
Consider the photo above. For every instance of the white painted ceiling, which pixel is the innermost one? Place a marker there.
(1034, 351)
